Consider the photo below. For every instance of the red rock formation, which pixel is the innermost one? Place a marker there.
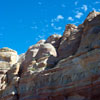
(69, 68)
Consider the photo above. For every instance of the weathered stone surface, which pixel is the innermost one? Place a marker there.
(4, 67)
(32, 52)
(46, 50)
(54, 40)
(76, 97)
(41, 42)
(8, 55)
(70, 41)
(30, 56)
(13, 72)
(70, 71)
(42, 62)
(21, 58)
(91, 33)
(51, 62)
(70, 76)
(45, 53)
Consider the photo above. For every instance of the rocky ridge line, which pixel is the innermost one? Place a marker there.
(61, 68)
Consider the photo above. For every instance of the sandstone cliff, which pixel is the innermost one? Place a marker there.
(61, 68)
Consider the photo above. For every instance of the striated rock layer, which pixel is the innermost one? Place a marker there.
(61, 68)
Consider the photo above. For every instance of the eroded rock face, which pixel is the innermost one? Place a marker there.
(70, 41)
(46, 50)
(60, 68)
(91, 33)
(8, 57)
(30, 56)
(55, 40)
(32, 52)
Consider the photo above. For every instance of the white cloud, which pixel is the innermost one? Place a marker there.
(59, 17)
(41, 37)
(70, 18)
(97, 2)
(57, 28)
(76, 23)
(63, 5)
(34, 27)
(84, 7)
(52, 24)
(79, 15)
(98, 9)
(76, 2)
(54, 27)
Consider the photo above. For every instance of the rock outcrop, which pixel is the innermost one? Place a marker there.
(70, 41)
(55, 40)
(61, 68)
(8, 57)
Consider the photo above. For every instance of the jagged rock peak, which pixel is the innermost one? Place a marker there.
(92, 15)
(6, 49)
(70, 26)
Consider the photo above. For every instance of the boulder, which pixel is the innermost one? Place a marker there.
(30, 56)
(8, 55)
(8, 58)
(54, 40)
(46, 49)
(32, 52)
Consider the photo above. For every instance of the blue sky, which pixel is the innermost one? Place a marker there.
(24, 22)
